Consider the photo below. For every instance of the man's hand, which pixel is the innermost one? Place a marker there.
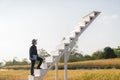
(32, 59)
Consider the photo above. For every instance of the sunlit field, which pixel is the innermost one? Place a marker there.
(113, 63)
(110, 74)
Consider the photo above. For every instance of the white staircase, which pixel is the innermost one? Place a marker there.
(64, 48)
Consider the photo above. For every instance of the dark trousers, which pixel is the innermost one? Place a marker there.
(33, 63)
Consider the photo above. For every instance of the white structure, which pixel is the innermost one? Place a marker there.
(64, 48)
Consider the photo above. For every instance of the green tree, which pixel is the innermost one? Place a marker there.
(43, 53)
(74, 56)
(117, 51)
(109, 53)
(8, 63)
(15, 61)
(87, 57)
(98, 55)
(24, 61)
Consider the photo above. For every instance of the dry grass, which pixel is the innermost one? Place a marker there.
(102, 62)
(97, 63)
(111, 74)
(73, 75)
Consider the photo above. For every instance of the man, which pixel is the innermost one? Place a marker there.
(34, 56)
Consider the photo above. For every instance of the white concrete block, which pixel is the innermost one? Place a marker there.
(30, 77)
(37, 72)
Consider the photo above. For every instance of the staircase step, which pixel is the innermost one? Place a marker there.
(76, 31)
(55, 53)
(84, 23)
(39, 72)
(80, 28)
(30, 77)
(49, 59)
(71, 36)
(87, 22)
(66, 41)
(92, 14)
(87, 18)
(61, 46)
(91, 18)
(44, 65)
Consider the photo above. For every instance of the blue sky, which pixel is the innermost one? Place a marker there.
(50, 20)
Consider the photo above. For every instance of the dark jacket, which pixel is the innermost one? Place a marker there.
(33, 51)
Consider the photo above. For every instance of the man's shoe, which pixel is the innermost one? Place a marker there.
(39, 68)
(32, 75)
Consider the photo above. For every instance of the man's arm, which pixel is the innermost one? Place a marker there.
(30, 53)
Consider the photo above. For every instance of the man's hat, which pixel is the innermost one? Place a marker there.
(34, 40)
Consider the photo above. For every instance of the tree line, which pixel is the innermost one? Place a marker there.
(75, 56)
(106, 53)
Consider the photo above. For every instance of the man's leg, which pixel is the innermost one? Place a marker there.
(32, 66)
(40, 62)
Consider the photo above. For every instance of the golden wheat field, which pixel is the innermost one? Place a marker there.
(112, 74)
